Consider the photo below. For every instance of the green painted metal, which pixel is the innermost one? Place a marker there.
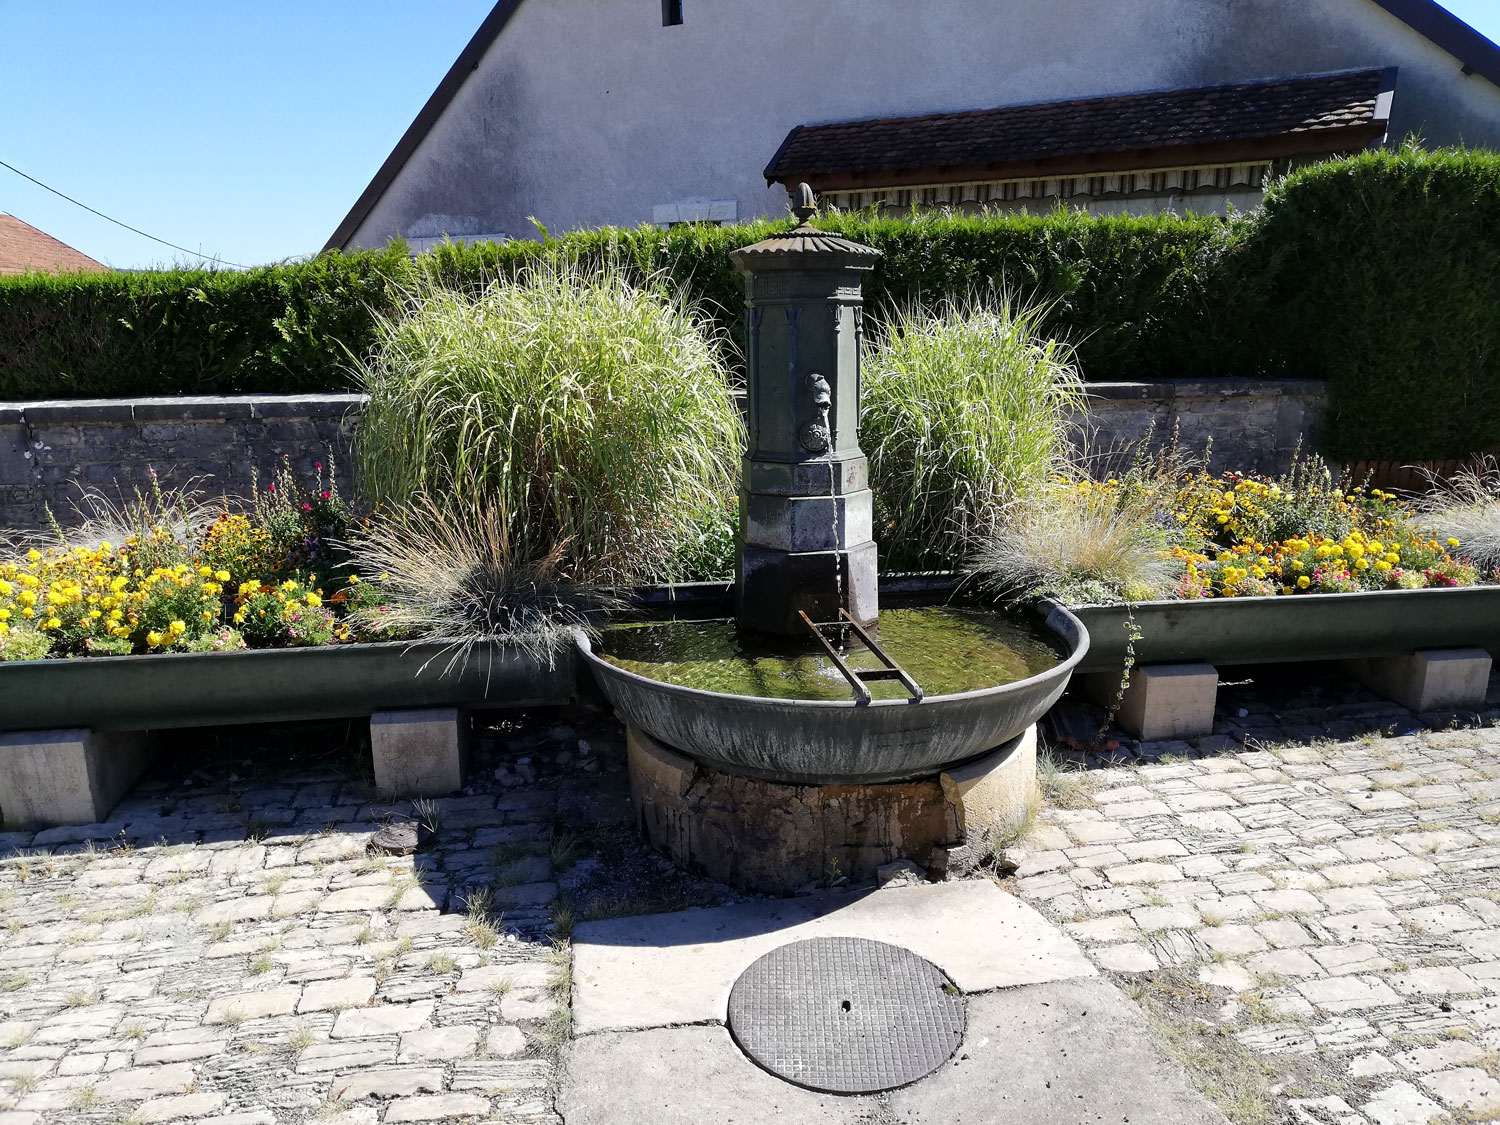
(272, 685)
(1301, 627)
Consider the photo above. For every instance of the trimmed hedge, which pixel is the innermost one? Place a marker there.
(1126, 289)
(1380, 273)
(274, 329)
(1383, 276)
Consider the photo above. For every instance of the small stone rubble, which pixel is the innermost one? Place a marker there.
(1328, 868)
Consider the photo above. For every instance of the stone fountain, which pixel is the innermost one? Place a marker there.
(770, 790)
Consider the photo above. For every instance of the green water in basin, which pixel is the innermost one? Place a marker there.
(946, 649)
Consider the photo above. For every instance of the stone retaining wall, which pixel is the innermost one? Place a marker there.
(50, 451)
(1255, 424)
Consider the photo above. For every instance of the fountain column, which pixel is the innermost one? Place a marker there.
(805, 504)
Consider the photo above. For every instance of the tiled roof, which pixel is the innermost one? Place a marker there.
(1124, 123)
(23, 247)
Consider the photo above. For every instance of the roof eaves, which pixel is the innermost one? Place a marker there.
(1476, 53)
(466, 63)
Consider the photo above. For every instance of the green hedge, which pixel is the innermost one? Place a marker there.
(1126, 289)
(275, 329)
(1380, 273)
(1383, 276)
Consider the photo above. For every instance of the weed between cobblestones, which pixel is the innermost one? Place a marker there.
(1232, 1077)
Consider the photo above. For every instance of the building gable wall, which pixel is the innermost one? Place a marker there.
(589, 112)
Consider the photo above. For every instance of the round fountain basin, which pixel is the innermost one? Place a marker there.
(832, 741)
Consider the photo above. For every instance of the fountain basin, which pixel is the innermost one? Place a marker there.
(824, 742)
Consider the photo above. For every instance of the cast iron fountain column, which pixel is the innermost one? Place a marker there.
(805, 501)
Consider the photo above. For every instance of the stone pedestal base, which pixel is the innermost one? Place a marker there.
(419, 753)
(1162, 701)
(1430, 680)
(55, 777)
(778, 839)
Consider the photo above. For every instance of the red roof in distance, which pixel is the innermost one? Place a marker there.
(24, 248)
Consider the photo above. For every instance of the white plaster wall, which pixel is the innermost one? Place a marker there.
(589, 112)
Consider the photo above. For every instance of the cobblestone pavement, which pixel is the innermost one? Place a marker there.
(229, 950)
(1322, 874)
(1336, 898)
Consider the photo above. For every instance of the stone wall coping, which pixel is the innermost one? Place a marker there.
(179, 408)
(224, 407)
(1208, 388)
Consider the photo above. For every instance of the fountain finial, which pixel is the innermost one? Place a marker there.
(807, 203)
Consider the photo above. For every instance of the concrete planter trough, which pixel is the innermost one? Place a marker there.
(75, 735)
(1301, 627)
(271, 685)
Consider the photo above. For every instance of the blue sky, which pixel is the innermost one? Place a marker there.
(238, 129)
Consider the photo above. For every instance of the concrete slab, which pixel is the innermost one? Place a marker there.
(686, 1076)
(1055, 1054)
(1048, 1054)
(666, 969)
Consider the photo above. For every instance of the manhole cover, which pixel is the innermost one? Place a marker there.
(846, 1015)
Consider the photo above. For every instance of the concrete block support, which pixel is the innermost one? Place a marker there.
(996, 793)
(1162, 700)
(419, 753)
(55, 777)
(1437, 679)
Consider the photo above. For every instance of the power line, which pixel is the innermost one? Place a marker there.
(127, 226)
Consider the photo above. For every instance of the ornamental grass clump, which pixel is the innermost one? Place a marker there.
(966, 408)
(1089, 541)
(1465, 510)
(454, 576)
(596, 414)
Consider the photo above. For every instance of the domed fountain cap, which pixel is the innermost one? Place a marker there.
(804, 246)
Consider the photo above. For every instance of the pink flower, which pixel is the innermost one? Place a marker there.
(317, 464)
(327, 495)
(306, 507)
(270, 488)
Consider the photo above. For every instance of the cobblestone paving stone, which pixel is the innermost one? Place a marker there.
(240, 957)
(1339, 892)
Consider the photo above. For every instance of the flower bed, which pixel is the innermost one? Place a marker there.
(1339, 541)
(161, 574)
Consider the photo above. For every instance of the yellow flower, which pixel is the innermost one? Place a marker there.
(1304, 582)
(1382, 566)
(177, 628)
(52, 623)
(1361, 564)
(34, 555)
(153, 639)
(1453, 542)
(221, 576)
(313, 599)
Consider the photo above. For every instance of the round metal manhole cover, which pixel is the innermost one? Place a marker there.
(846, 1015)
